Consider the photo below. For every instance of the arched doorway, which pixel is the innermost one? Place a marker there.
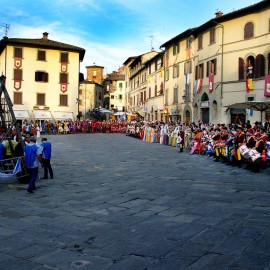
(205, 108)
(187, 117)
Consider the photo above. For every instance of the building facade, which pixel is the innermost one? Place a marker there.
(115, 91)
(221, 62)
(42, 77)
(90, 97)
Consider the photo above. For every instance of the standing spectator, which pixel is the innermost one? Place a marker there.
(2, 151)
(32, 157)
(46, 148)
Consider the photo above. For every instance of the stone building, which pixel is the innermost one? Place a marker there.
(42, 77)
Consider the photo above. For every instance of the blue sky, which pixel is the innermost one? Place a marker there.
(110, 30)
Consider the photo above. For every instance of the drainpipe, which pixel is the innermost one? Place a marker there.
(222, 60)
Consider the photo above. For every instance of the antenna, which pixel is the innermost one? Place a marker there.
(6, 26)
(152, 37)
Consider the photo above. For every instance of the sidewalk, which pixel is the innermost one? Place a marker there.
(120, 203)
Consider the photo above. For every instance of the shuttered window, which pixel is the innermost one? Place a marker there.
(212, 36)
(41, 55)
(41, 76)
(64, 57)
(241, 69)
(17, 98)
(63, 100)
(41, 99)
(18, 52)
(259, 66)
(63, 78)
(18, 74)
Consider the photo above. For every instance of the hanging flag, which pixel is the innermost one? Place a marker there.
(63, 87)
(18, 62)
(249, 85)
(187, 78)
(64, 67)
(267, 86)
(188, 53)
(198, 85)
(211, 82)
(162, 72)
(17, 84)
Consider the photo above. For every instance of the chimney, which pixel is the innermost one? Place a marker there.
(218, 14)
(45, 35)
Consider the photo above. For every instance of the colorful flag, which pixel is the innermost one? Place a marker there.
(198, 85)
(249, 85)
(267, 86)
(188, 53)
(187, 78)
(211, 82)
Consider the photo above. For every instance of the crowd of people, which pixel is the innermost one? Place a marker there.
(70, 126)
(233, 144)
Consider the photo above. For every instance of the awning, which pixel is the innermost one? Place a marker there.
(42, 115)
(63, 115)
(21, 114)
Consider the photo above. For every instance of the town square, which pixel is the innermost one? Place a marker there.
(120, 203)
(135, 135)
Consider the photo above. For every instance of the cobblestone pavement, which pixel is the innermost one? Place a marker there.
(120, 203)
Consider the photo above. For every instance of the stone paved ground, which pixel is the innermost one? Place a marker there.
(120, 203)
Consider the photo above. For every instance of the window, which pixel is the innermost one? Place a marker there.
(155, 90)
(167, 74)
(187, 67)
(120, 97)
(161, 89)
(199, 72)
(120, 85)
(175, 48)
(259, 66)
(187, 93)
(18, 52)
(41, 76)
(112, 96)
(175, 94)
(176, 71)
(249, 67)
(268, 70)
(149, 92)
(149, 69)
(249, 30)
(200, 42)
(211, 67)
(141, 100)
(166, 96)
(241, 69)
(188, 42)
(41, 99)
(63, 78)
(41, 55)
(64, 57)
(212, 35)
(17, 98)
(167, 58)
(156, 65)
(63, 100)
(18, 74)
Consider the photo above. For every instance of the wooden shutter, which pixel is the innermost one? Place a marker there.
(259, 66)
(207, 69)
(241, 69)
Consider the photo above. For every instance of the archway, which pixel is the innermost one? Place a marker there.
(187, 116)
(205, 108)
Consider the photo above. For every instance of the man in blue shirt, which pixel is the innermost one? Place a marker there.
(46, 148)
(2, 151)
(32, 158)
